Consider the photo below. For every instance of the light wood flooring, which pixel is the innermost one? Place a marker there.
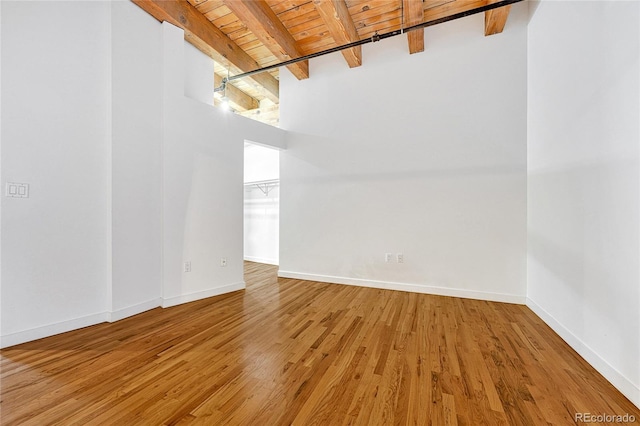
(286, 351)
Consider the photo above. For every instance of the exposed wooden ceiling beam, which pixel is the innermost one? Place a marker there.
(336, 17)
(208, 38)
(494, 20)
(239, 100)
(413, 15)
(438, 10)
(266, 26)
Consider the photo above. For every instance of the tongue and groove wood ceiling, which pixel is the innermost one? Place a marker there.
(244, 35)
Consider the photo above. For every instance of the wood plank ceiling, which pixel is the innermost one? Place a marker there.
(244, 35)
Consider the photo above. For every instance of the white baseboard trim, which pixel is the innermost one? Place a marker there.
(51, 329)
(261, 260)
(133, 310)
(191, 297)
(619, 381)
(413, 288)
(74, 324)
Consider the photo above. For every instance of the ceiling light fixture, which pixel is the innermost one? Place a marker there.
(223, 88)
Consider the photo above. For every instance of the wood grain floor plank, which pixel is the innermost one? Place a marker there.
(288, 351)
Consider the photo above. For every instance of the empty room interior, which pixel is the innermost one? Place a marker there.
(366, 212)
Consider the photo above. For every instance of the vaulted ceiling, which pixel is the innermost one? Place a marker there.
(245, 35)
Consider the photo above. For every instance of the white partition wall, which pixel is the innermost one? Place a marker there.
(203, 151)
(136, 170)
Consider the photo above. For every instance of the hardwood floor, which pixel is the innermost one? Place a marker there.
(296, 352)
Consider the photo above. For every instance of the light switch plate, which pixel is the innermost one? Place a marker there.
(17, 190)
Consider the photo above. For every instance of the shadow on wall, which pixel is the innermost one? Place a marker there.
(533, 7)
(327, 160)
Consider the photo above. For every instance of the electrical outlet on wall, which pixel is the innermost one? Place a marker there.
(223, 262)
(400, 257)
(388, 257)
(187, 266)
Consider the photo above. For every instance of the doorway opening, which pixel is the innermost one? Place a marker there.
(261, 204)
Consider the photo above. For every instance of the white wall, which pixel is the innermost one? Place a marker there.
(261, 211)
(55, 136)
(1, 177)
(128, 176)
(420, 154)
(203, 186)
(136, 160)
(198, 74)
(583, 182)
(261, 163)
